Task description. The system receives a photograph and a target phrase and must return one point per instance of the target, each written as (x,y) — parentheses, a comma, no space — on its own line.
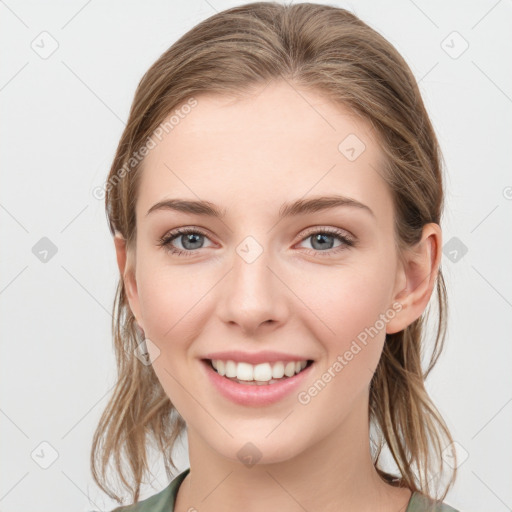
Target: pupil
(321,238)
(189,238)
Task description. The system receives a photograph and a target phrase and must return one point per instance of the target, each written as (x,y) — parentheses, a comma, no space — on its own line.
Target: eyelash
(166,240)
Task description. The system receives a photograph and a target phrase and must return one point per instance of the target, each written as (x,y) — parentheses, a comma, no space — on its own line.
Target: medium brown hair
(331,51)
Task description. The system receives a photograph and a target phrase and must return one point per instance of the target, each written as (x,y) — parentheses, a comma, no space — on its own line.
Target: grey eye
(191,241)
(322,241)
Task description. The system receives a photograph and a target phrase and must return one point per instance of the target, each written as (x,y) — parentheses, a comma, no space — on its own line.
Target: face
(306,284)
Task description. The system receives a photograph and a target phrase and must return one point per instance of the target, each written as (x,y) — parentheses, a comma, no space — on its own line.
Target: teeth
(289,369)
(277,370)
(230,369)
(259,373)
(244,371)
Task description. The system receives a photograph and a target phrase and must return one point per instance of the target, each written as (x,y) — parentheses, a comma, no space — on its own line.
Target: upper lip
(265,356)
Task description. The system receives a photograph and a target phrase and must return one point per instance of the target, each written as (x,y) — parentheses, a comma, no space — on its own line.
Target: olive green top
(165,499)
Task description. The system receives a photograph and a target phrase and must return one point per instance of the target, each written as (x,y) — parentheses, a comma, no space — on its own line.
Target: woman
(275,202)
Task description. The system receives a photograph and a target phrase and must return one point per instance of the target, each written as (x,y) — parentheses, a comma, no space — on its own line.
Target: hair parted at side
(331,51)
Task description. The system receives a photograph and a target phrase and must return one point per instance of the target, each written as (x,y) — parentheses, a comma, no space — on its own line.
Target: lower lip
(255,395)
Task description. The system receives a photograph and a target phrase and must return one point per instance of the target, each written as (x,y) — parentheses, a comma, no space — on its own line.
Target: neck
(334,474)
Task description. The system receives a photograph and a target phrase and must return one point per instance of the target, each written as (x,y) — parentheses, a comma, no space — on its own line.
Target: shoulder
(156,503)
(421,503)
(163,501)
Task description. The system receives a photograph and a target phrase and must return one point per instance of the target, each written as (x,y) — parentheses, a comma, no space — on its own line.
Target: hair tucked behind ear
(331,51)
(400,406)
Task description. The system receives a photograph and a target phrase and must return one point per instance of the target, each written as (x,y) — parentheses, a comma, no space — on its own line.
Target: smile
(258,374)
(257,386)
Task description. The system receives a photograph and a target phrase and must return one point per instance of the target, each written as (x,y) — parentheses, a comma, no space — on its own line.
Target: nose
(253,294)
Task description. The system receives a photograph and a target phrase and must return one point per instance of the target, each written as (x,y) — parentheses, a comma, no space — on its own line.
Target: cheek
(352,336)
(347,304)
(174,303)
(171,304)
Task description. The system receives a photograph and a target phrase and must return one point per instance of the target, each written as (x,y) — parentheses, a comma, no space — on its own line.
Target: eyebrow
(299,207)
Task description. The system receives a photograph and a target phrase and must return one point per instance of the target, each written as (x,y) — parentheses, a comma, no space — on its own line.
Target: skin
(249,156)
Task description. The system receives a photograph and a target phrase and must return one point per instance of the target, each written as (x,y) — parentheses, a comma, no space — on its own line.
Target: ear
(126,264)
(416,278)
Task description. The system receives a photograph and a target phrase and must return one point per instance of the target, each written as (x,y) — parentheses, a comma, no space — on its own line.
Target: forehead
(275,144)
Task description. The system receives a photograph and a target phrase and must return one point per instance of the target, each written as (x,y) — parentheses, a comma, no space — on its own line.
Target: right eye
(190,238)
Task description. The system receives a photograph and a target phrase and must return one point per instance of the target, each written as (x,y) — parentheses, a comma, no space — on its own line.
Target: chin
(249,450)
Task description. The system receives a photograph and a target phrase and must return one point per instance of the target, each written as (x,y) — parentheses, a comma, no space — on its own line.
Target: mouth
(263,374)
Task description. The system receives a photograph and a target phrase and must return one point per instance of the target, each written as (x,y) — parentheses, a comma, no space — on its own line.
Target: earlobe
(420,270)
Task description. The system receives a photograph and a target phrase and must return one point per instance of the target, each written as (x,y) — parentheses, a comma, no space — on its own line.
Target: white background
(61,120)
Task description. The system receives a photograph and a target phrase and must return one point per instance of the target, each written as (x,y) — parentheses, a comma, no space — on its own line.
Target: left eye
(324,240)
